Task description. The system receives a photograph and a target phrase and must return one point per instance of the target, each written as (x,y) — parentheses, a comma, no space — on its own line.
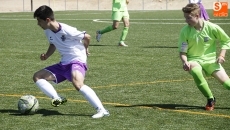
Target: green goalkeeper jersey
(201,45)
(119,5)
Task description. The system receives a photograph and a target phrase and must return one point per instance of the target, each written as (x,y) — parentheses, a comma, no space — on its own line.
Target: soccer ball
(28,104)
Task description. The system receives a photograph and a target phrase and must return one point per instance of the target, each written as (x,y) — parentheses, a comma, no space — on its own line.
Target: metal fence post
(166,4)
(65,5)
(31,2)
(143,4)
(98,4)
(77,4)
(23,5)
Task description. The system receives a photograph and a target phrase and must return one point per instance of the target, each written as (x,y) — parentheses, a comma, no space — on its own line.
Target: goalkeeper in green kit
(119,12)
(197,48)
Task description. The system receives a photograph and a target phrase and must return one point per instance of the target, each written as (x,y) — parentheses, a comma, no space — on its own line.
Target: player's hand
(186,66)
(127,1)
(87,52)
(220,59)
(43,56)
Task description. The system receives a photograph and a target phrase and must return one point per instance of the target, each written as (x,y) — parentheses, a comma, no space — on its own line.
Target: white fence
(61,5)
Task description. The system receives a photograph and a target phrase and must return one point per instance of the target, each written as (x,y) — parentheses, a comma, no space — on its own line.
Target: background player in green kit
(197,47)
(119,12)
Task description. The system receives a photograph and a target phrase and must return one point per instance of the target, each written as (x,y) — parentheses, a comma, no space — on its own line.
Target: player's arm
(221,57)
(183,49)
(183,57)
(224,40)
(222,37)
(86,41)
(49,52)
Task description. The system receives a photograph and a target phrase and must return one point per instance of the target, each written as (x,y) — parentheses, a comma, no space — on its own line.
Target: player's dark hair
(44,12)
(191,8)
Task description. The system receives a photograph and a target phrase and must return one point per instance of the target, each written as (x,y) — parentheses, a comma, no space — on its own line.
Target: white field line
(106,21)
(109,20)
(8,18)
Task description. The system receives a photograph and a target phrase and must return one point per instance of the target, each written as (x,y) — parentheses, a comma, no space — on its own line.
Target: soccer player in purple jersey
(197,47)
(72,45)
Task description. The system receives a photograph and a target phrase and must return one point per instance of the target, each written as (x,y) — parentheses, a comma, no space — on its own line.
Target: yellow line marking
(131,84)
(181,111)
(127,105)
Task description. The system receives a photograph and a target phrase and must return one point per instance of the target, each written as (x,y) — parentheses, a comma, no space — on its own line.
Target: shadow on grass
(169,106)
(101,45)
(160,47)
(43,112)
(46,112)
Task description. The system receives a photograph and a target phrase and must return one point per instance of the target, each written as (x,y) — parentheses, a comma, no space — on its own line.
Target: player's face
(44,24)
(190,19)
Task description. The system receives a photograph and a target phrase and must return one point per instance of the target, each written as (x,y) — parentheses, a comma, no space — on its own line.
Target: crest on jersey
(206,39)
(63,38)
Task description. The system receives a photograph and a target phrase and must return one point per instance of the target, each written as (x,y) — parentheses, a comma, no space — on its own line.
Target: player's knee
(77,85)
(35,77)
(197,74)
(115,27)
(127,25)
(196,71)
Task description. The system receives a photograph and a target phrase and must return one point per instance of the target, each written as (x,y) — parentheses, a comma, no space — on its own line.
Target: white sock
(47,88)
(91,96)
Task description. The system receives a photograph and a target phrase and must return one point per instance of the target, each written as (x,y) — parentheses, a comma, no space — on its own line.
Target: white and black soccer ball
(28,104)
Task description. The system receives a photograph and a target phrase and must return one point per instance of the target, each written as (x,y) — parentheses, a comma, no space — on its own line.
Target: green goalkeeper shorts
(118,15)
(208,67)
